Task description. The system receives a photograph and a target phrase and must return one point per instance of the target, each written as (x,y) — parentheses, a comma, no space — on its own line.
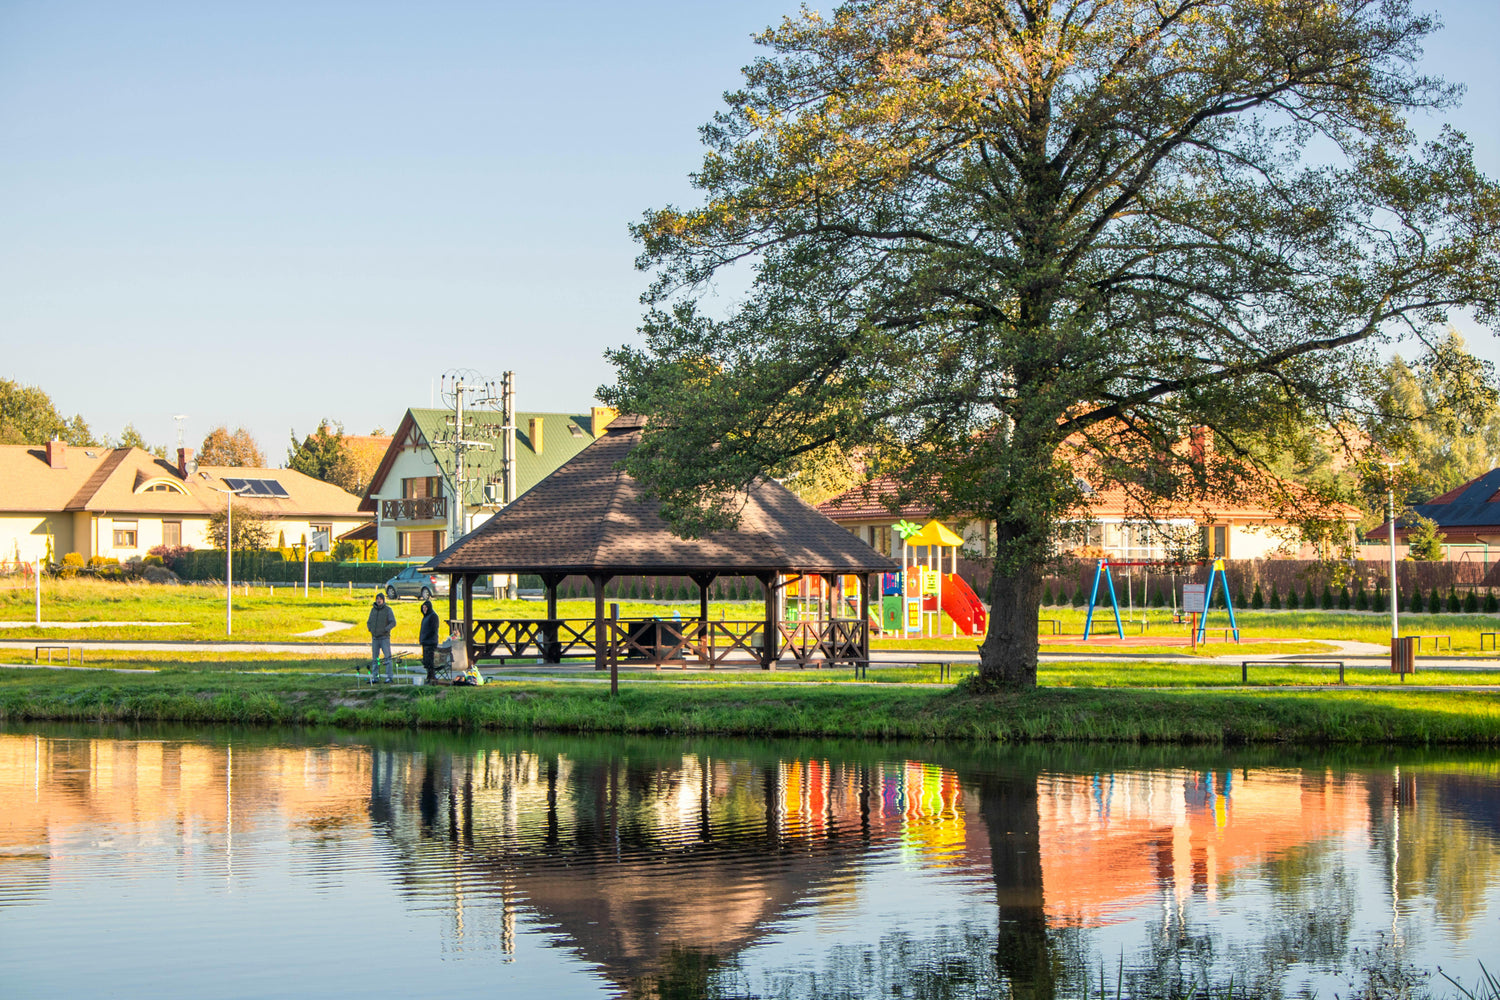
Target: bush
(1455,603)
(1344,602)
(1047,597)
(1308,600)
(1328,601)
(1377,603)
(1078,598)
(1362,600)
(1257,599)
(1291,599)
(1275,604)
(1434,602)
(1491,606)
(1471,603)
(1159,598)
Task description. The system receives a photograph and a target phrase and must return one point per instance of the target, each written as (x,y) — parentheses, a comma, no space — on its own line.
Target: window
(1216,541)
(158,488)
(420,543)
(125,534)
(422,488)
(171,533)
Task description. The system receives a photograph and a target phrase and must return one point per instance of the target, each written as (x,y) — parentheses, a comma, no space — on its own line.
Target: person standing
(382,619)
(429,640)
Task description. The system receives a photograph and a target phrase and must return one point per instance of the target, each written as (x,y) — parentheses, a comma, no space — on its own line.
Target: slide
(962,605)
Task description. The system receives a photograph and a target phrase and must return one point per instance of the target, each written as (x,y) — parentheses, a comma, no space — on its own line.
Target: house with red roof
(1466,515)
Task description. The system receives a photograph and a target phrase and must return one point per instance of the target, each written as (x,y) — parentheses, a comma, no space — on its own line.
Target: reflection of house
(411,491)
(1230,530)
(121,502)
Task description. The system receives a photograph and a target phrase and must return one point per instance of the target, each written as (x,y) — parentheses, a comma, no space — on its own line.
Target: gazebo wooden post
(861,589)
(704,581)
(772,641)
(453,585)
(602,637)
(550,648)
(469,616)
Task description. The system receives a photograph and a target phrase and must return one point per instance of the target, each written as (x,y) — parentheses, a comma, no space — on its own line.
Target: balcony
(425,509)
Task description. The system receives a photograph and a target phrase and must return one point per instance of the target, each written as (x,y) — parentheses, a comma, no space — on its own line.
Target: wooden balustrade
(414,509)
(670,642)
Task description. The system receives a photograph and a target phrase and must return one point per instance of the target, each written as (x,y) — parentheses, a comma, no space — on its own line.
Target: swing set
(1199,612)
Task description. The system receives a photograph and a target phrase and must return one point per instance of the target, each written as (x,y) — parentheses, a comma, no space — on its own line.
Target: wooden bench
(1056,624)
(1492,637)
(1245,665)
(1436,641)
(37,654)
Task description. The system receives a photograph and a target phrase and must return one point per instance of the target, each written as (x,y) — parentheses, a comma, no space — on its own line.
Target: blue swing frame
(1217,573)
(1101,571)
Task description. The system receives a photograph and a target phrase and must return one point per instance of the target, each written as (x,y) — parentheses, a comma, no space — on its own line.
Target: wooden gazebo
(590,519)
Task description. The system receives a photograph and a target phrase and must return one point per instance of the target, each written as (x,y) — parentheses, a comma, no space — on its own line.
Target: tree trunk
(1008,657)
(1012,818)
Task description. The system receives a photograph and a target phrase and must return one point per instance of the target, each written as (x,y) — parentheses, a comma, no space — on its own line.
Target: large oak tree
(979,230)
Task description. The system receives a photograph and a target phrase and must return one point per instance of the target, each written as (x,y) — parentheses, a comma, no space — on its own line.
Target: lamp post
(1390,499)
(229,496)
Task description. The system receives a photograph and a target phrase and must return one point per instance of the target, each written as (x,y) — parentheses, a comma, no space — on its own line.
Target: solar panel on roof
(273,488)
(236,484)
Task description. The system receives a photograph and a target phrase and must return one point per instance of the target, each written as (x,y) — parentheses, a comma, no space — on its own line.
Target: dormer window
(159,486)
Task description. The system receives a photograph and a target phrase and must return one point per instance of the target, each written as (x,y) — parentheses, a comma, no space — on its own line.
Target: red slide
(962,605)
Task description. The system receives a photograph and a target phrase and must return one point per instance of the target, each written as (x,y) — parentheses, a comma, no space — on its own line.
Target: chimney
(1201,442)
(534,431)
(599,418)
(184,459)
(57,454)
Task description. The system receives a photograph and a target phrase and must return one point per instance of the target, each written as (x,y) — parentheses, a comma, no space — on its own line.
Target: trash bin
(1404,655)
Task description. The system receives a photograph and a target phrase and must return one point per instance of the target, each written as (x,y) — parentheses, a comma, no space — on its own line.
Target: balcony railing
(425,509)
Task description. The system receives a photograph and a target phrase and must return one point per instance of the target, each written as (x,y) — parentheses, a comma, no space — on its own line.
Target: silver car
(413,582)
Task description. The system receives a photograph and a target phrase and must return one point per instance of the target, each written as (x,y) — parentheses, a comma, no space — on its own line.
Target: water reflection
(652,869)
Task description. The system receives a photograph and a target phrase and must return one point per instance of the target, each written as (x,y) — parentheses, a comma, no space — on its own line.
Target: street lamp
(1390,500)
(229,496)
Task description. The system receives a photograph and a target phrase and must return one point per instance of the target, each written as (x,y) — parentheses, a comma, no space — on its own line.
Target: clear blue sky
(262,213)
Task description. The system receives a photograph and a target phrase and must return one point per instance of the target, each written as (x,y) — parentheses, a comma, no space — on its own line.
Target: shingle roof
(591,517)
(1460,513)
(112,479)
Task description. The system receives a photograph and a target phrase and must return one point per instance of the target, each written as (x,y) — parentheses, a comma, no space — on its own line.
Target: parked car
(412,582)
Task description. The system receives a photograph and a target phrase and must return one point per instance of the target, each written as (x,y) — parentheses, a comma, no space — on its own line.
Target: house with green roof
(415,497)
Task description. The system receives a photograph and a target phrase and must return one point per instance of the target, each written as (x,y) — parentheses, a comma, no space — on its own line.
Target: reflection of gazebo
(591,519)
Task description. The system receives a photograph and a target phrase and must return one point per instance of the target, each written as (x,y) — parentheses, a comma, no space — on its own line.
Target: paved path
(76,625)
(326,627)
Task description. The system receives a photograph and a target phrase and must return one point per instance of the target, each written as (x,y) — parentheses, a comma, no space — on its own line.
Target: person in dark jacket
(429,640)
(382,619)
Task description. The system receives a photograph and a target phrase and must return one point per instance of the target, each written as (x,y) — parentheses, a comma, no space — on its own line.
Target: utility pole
(465,390)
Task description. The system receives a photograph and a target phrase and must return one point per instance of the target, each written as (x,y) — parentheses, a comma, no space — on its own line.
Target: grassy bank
(766,708)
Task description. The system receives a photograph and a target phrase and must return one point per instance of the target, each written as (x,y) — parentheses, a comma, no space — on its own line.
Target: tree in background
(1423,539)
(252,526)
(132,438)
(27,416)
(324,455)
(237,449)
(989,235)
(1441,417)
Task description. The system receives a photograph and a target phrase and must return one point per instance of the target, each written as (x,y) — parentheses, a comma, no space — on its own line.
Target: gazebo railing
(671,642)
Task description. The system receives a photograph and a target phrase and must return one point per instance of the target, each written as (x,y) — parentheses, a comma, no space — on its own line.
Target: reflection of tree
(1008,804)
(1445,850)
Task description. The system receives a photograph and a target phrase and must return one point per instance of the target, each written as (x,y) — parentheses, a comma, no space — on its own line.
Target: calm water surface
(160,863)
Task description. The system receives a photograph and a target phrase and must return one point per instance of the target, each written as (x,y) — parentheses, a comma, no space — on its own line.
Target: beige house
(119,503)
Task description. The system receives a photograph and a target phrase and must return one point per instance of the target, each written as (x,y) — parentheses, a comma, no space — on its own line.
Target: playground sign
(1194,598)
(929,582)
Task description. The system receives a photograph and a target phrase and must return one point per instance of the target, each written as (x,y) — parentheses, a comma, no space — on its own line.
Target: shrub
(1345,603)
(1328,601)
(1257,599)
(1362,600)
(1159,598)
(1376,603)
(1434,602)
(1455,603)
(1491,606)
(1047,596)
(1291,599)
(1308,600)
(1471,603)
(1275,598)
(1078,598)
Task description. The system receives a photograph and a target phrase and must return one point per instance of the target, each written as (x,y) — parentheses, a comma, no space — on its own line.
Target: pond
(164,863)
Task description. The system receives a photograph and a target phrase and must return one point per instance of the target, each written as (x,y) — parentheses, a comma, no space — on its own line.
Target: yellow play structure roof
(934,533)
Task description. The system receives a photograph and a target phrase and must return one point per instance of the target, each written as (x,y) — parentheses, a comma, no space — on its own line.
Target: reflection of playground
(639,863)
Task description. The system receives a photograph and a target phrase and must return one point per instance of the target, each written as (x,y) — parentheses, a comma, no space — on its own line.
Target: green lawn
(729,707)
